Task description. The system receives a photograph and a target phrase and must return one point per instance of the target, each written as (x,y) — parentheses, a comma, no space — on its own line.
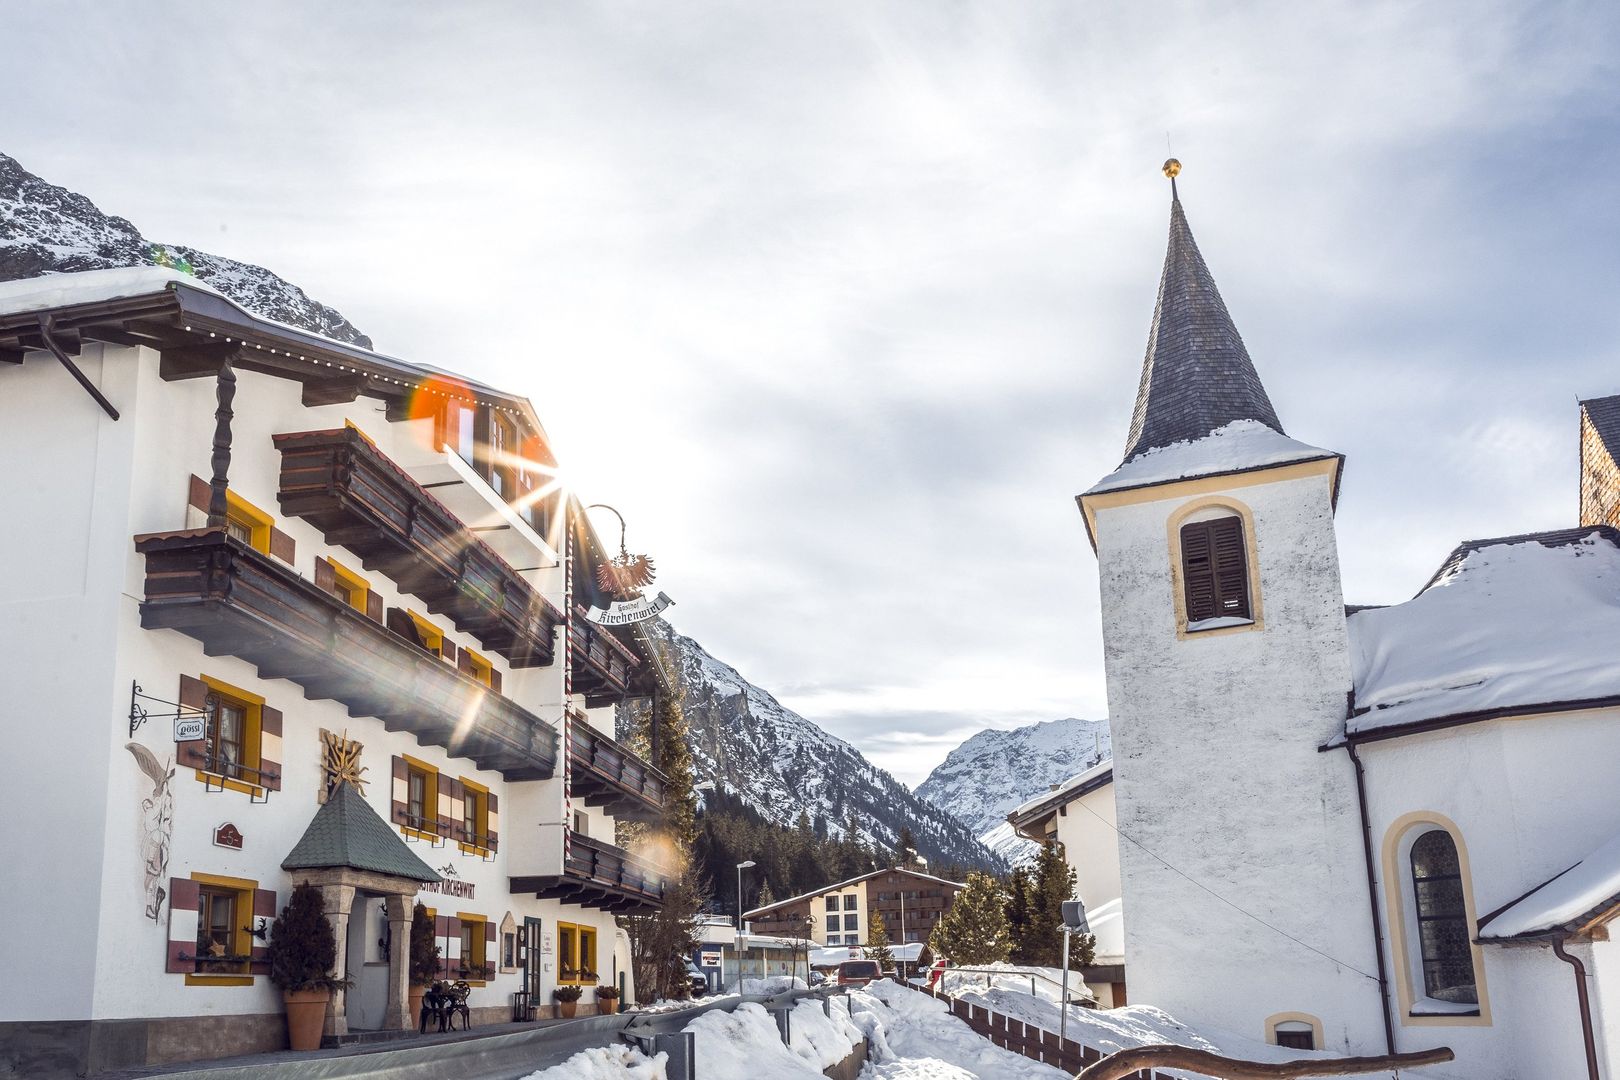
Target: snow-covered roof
(90,287)
(1239,446)
(825,889)
(1515,624)
(1569,901)
(1082,783)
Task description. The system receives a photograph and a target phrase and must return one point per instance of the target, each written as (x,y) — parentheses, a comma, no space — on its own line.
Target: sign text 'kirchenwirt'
(624,612)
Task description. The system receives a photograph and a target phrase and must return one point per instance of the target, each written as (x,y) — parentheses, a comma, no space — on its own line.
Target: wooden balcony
(604,773)
(604,666)
(238,602)
(359,499)
(601,876)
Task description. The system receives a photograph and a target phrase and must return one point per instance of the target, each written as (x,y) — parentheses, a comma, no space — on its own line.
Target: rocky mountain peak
(46,229)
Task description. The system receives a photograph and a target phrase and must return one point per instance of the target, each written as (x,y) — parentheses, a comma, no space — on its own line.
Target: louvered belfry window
(1215,570)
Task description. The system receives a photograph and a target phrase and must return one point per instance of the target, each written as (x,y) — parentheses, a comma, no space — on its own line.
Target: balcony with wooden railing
(604,666)
(605,773)
(361,500)
(242,603)
(599,875)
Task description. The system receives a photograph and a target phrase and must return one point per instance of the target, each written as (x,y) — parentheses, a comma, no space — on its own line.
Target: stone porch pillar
(397,1013)
(338,899)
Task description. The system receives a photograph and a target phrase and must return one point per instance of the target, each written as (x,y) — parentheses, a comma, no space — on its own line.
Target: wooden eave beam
(117,336)
(195,361)
(339,390)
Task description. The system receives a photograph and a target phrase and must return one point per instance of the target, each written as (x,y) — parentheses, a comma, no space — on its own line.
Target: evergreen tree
(877,942)
(1049,885)
(974,930)
(905,849)
(766,896)
(1018,914)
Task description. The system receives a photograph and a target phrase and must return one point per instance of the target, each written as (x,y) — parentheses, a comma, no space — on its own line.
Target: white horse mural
(156,825)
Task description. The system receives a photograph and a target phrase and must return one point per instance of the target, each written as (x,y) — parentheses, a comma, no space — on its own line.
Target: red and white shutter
(193,698)
(264,907)
(183,926)
(400,807)
(494,820)
(270,748)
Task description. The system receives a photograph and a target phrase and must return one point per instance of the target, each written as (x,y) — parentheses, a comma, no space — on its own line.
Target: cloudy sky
(842,303)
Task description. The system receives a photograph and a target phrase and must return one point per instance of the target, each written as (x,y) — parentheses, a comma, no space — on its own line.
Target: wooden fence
(1035,1043)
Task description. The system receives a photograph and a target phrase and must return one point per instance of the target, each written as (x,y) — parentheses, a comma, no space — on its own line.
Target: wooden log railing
(1124,1064)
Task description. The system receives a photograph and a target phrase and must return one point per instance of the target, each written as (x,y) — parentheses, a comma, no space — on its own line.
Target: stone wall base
(51,1048)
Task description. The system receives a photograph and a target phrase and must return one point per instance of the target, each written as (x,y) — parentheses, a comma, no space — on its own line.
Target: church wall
(1217,772)
(1529,797)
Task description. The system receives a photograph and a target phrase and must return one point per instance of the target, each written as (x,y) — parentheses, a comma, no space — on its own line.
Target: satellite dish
(1074,916)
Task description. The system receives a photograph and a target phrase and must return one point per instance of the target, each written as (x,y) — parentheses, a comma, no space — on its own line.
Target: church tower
(1245,893)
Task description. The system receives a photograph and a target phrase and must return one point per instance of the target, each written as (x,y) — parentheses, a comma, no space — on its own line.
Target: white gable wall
(1530,797)
(1217,772)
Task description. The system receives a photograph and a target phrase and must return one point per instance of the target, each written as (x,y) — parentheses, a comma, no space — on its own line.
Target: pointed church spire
(1197,376)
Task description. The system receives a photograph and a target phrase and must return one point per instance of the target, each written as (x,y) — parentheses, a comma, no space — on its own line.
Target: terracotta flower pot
(306,1017)
(416,995)
(607,1006)
(565,1009)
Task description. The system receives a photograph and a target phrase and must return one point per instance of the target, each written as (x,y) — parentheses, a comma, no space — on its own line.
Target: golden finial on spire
(1172,168)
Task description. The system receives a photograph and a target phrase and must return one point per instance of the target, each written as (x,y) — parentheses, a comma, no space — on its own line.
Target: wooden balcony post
(224,395)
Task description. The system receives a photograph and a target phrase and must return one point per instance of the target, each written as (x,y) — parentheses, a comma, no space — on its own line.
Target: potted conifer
(607,999)
(424,957)
(567,1000)
(302,954)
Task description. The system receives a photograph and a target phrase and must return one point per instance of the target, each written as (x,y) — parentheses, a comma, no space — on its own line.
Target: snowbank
(744,1045)
(1590,884)
(606,1063)
(1506,624)
(771,986)
(1242,444)
(914,1037)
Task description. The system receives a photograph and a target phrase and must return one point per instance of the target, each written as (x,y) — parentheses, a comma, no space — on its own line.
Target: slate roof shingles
(347,832)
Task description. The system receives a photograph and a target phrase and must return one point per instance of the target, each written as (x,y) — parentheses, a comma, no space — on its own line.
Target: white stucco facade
(79,486)
(1217,775)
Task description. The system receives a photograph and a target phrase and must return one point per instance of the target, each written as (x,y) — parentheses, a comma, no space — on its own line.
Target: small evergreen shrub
(424,949)
(303,946)
(567,993)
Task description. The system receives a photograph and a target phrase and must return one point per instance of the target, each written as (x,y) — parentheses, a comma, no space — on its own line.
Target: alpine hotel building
(283,609)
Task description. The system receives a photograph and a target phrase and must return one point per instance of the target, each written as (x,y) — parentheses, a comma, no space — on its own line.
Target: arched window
(1446,954)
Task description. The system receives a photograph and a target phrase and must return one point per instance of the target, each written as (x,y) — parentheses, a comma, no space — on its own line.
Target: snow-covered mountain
(45,229)
(781,763)
(993,771)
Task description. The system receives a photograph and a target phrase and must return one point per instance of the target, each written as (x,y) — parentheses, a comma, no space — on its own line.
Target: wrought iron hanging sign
(625,578)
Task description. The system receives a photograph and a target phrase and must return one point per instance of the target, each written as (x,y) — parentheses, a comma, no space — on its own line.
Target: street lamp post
(740,868)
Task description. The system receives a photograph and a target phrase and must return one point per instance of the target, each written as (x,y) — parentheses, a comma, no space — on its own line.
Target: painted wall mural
(156,825)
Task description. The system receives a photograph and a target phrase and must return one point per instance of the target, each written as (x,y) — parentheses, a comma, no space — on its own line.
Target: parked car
(696,980)
(858,972)
(817,978)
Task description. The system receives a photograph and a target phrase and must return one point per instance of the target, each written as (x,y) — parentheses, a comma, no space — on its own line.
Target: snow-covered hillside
(45,229)
(994,771)
(781,763)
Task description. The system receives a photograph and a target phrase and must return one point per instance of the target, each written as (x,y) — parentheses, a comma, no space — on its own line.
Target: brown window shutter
(494,819)
(1231,567)
(401,793)
(197,494)
(324,578)
(282,546)
(264,907)
(448,793)
(193,695)
(402,624)
(464,662)
(183,899)
(1215,569)
(448,651)
(374,606)
(270,767)
(494,680)
(454,825)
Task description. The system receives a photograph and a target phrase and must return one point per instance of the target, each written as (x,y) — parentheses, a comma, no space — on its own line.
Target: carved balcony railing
(343,485)
(604,773)
(599,875)
(604,666)
(238,602)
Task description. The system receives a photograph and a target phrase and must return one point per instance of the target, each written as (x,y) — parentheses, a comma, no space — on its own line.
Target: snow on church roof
(1082,783)
(1568,901)
(1236,447)
(1506,625)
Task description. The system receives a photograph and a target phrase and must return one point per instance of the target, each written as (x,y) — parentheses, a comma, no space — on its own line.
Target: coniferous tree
(877,942)
(905,849)
(974,930)
(1018,915)
(766,896)
(1051,883)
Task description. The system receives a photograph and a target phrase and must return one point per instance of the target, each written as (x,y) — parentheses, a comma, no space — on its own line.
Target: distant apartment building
(910,902)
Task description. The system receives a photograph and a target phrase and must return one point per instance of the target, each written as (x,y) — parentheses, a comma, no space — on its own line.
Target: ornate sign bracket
(138,713)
